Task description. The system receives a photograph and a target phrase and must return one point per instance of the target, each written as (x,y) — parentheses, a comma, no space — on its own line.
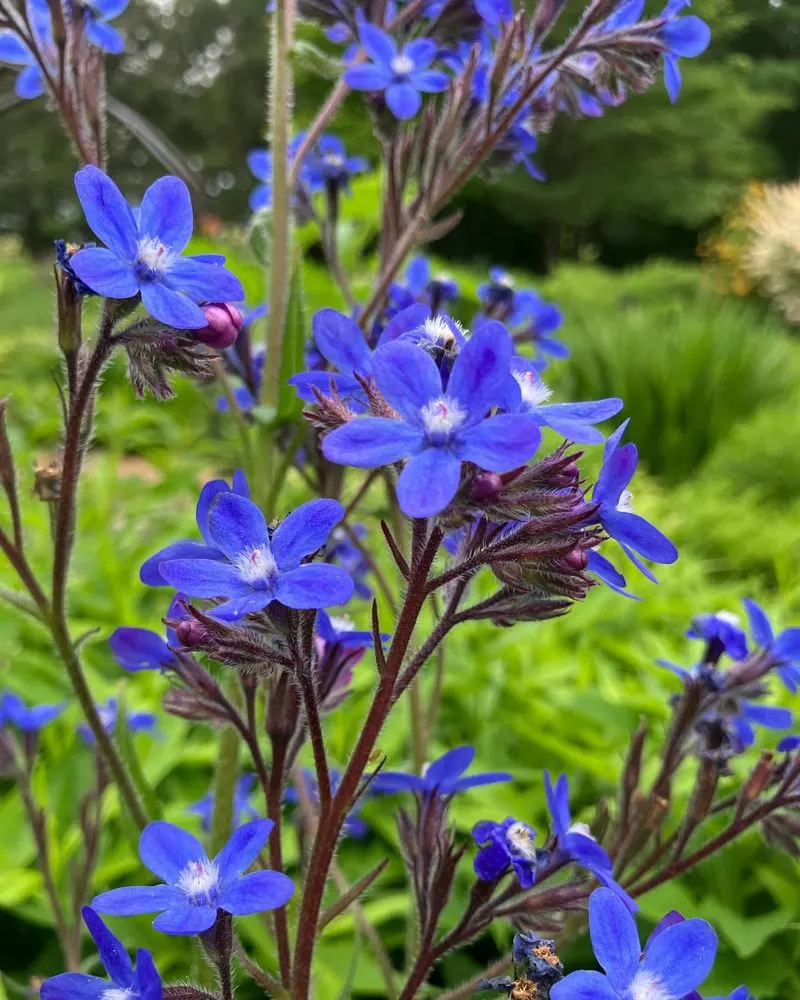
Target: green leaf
(258,235)
(308,56)
(292,358)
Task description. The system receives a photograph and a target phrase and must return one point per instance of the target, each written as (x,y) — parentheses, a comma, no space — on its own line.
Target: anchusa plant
(443,486)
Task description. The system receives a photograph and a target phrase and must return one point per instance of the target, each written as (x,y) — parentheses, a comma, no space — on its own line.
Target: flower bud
(224,324)
(191,633)
(486,486)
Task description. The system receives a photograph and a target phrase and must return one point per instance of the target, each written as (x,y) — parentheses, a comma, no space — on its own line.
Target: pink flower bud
(486,486)
(224,323)
(191,633)
(577,558)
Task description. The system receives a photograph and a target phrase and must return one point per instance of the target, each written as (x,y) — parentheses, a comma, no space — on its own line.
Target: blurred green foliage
(564,695)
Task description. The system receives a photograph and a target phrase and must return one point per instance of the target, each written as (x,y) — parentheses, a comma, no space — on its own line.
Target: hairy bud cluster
(154,352)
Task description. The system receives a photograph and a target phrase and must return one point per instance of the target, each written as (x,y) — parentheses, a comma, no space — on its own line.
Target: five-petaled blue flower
(438,429)
(195,887)
(14,711)
(251,567)
(140,983)
(675,961)
(30,82)
(503,845)
(144,248)
(444,776)
(137,722)
(329,166)
(575,842)
(784,649)
(402,75)
(243,808)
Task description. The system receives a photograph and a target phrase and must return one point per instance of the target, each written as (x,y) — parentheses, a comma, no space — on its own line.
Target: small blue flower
(722,632)
(137,722)
(260,163)
(144,251)
(402,75)
(444,776)
(140,983)
(739,726)
(675,962)
(420,285)
(789,743)
(243,808)
(783,649)
(523,310)
(97,14)
(30,82)
(251,567)
(575,842)
(195,887)
(138,649)
(26,719)
(150,573)
(684,37)
(329,165)
(438,429)
(503,845)
(528,394)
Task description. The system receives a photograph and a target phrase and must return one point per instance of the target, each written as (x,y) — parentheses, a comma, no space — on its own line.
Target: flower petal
(149,981)
(186,920)
(558,802)
(584,986)
(481,370)
(389,782)
(672,77)
(166,213)
(501,443)
(430,81)
(615,940)
(314,586)
(257,892)
(12,50)
(787,646)
(682,956)
(260,163)
(368,76)
(108,214)
(74,986)
(111,950)
(639,534)
(403,100)
(404,322)
(208,495)
(304,531)
(449,766)
(238,607)
(760,627)
(171,307)
(478,780)
(243,848)
(408,378)
(368,442)
(428,482)
(204,578)
(131,900)
(150,573)
(105,37)
(30,83)
(771,716)
(205,282)
(378,45)
(105,273)
(236,525)
(109,9)
(490,862)
(341,342)
(167,849)
(421,51)
(618,468)
(137,649)
(687,36)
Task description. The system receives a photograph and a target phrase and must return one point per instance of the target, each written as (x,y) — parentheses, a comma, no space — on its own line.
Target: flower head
(27,719)
(144,248)
(141,982)
(783,649)
(722,633)
(523,310)
(438,428)
(444,776)
(251,566)
(503,845)
(330,167)
(400,74)
(193,886)
(675,962)
(243,808)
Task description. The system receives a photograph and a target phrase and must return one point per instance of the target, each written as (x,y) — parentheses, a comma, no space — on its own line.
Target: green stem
(224,789)
(239,417)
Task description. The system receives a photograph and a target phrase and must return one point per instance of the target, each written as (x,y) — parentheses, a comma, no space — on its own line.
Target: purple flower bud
(486,486)
(578,558)
(224,323)
(191,633)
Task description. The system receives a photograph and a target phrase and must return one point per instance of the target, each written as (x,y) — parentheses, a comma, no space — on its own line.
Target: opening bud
(191,633)
(224,325)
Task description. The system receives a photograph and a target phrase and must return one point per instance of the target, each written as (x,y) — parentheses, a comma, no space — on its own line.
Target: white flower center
(402,65)
(533,390)
(342,623)
(333,160)
(625,502)
(521,839)
(256,565)
(646,986)
(505,281)
(583,828)
(437,329)
(153,256)
(728,616)
(115,993)
(441,417)
(200,881)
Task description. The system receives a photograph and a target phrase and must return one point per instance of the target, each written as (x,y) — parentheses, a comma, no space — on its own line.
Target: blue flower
(503,845)
(26,719)
(252,568)
(329,165)
(243,808)
(140,983)
(30,81)
(195,887)
(144,251)
(789,743)
(575,842)
(339,649)
(684,37)
(722,633)
(137,722)
(636,536)
(421,286)
(739,726)
(400,74)
(674,964)
(138,649)
(444,776)
(784,649)
(97,14)
(437,429)
(260,163)
(574,420)
(523,310)
(150,573)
